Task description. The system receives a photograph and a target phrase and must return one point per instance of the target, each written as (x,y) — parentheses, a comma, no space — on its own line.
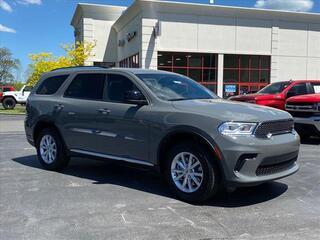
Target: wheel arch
(9,96)
(183,133)
(42,124)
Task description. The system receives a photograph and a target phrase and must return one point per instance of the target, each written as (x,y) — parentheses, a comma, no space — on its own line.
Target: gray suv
(199,142)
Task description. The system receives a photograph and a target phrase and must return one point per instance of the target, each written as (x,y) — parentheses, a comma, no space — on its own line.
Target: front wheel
(50,150)
(191,172)
(9,103)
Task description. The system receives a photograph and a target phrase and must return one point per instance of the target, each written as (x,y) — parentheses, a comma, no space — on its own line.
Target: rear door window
(87,86)
(50,85)
(298,89)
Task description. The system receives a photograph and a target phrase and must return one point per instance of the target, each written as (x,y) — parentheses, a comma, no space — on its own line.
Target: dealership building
(230,50)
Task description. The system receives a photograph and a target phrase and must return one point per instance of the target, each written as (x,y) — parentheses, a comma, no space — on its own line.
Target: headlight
(237,128)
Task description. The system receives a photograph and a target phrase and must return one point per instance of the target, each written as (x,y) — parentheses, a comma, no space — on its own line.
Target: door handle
(58,107)
(104,111)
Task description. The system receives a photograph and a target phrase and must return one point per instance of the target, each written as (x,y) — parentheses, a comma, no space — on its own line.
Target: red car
(276,94)
(306,112)
(5,89)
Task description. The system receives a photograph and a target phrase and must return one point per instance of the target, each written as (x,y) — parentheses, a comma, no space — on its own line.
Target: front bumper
(249,161)
(309,125)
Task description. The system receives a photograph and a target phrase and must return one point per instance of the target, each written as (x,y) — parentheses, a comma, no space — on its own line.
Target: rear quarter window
(316,87)
(51,85)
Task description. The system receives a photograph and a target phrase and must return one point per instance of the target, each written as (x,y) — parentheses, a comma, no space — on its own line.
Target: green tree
(76,55)
(7,65)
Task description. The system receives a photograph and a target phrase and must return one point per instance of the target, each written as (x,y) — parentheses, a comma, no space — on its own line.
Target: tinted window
(87,86)
(117,87)
(275,88)
(299,89)
(51,85)
(27,88)
(173,87)
(6,89)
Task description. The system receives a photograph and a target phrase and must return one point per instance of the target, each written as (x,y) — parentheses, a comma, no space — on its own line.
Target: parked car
(275,94)
(306,112)
(200,143)
(5,89)
(11,98)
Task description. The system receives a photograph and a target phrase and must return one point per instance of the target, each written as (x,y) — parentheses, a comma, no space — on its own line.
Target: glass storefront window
(130,62)
(209,75)
(201,67)
(181,71)
(230,61)
(245,73)
(179,60)
(195,60)
(231,75)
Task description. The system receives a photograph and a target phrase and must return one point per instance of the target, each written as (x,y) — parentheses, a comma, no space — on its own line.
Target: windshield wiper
(178,99)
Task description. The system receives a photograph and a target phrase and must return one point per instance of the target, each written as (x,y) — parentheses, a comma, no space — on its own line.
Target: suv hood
(225,110)
(255,96)
(309,98)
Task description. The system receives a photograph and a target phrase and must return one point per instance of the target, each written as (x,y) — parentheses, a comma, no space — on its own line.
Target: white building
(225,48)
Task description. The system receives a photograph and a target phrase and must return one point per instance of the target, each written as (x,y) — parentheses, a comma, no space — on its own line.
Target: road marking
(123,217)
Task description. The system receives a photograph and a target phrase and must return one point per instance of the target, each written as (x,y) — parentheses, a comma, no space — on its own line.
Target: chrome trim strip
(107,134)
(112,157)
(94,131)
(303,108)
(81,130)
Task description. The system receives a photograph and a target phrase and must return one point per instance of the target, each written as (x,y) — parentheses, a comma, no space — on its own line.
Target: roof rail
(75,67)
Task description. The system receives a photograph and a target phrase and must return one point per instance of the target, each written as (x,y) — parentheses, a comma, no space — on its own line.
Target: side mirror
(135,97)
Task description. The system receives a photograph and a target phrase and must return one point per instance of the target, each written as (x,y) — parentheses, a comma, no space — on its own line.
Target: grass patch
(18,110)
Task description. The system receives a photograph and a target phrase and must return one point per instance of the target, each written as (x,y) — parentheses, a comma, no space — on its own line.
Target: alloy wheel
(48,149)
(187,172)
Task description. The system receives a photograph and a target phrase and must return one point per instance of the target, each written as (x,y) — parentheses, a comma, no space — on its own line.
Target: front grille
(303,107)
(275,168)
(267,129)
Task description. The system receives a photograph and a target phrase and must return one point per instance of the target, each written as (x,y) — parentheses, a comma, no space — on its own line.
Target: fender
(196,131)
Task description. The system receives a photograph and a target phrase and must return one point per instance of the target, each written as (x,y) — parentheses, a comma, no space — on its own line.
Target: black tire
(61,159)
(9,103)
(211,182)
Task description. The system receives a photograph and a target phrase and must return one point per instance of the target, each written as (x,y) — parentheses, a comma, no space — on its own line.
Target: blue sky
(32,26)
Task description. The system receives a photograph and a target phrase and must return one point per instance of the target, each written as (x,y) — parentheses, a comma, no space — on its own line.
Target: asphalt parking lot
(97,200)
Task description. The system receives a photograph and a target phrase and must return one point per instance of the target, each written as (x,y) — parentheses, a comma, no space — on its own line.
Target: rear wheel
(50,150)
(191,172)
(9,103)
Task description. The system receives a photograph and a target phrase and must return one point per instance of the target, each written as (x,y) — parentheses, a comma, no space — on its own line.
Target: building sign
(131,36)
(230,88)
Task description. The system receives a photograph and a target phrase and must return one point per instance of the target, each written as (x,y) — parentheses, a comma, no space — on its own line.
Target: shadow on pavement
(150,181)
(311,141)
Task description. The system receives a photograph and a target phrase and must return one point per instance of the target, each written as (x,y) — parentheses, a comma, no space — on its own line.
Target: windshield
(275,88)
(173,87)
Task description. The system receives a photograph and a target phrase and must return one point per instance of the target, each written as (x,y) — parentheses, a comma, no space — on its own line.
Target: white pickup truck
(11,98)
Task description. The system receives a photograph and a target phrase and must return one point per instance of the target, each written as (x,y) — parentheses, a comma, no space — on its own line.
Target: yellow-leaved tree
(76,55)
